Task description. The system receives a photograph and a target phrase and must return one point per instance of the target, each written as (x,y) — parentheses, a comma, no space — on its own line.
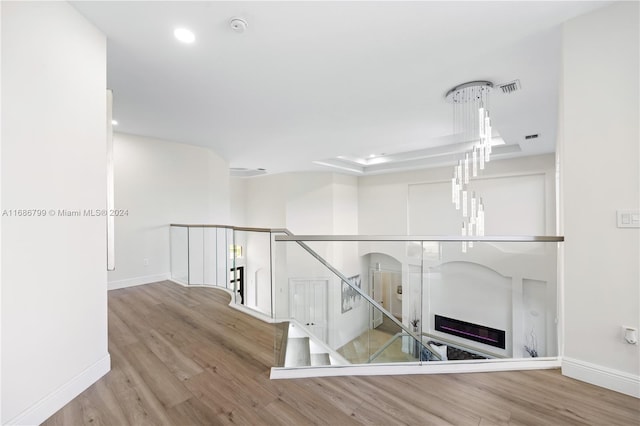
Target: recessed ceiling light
(114,122)
(184,35)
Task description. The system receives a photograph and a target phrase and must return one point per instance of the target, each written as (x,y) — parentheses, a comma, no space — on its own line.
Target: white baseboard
(177,282)
(257,315)
(605,377)
(434,367)
(47,406)
(131,282)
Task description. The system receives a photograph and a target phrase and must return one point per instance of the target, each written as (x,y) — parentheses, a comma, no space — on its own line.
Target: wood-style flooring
(181,356)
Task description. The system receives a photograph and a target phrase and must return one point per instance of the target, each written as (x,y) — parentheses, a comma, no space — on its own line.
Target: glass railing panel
(209,256)
(237,267)
(364,300)
(307,297)
(388,342)
(223,261)
(179,254)
(196,256)
(251,273)
(206,252)
(321,303)
(491,300)
(479,300)
(404,348)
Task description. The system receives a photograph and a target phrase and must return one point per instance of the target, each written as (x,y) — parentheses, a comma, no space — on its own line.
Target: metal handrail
(234,228)
(322,261)
(407,238)
(358,290)
(419,238)
(300,240)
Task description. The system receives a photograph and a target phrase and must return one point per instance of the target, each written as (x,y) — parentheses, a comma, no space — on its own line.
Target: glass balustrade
(365,299)
(355,300)
(179,254)
(329,297)
(236,259)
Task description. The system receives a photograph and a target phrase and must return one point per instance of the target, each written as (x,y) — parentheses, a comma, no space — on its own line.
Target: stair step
(297,354)
(320,359)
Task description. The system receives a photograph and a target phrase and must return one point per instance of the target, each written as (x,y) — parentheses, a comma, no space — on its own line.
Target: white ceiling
(310,81)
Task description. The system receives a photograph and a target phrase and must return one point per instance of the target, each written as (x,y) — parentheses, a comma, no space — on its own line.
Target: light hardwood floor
(181,356)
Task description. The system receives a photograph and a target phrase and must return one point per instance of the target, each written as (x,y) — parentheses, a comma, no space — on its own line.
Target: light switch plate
(628,218)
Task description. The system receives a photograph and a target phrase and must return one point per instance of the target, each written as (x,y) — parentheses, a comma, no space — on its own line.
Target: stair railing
(299,240)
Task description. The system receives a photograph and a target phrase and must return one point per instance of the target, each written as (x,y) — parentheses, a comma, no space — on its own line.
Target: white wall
(599,157)
(345,257)
(237,201)
(266,201)
(384,199)
(519,196)
(323,203)
(309,206)
(159,182)
(54,279)
(514,205)
(472,293)
(311,203)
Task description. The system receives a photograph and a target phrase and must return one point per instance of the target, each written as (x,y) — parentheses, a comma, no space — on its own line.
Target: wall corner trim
(47,406)
(131,282)
(605,377)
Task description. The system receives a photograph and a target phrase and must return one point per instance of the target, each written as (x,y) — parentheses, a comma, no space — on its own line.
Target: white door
(376,293)
(308,304)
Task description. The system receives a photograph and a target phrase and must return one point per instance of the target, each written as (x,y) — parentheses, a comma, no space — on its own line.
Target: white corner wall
(311,203)
(54,279)
(237,201)
(599,161)
(266,201)
(158,183)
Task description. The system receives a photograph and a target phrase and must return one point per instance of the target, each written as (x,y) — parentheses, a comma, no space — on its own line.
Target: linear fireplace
(477,333)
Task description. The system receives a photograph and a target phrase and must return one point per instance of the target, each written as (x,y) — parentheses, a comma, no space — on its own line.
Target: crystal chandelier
(472,122)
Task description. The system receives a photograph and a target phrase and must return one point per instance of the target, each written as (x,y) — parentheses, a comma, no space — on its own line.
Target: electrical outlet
(145,262)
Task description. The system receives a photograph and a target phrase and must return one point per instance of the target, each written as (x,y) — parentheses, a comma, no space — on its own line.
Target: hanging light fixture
(472,122)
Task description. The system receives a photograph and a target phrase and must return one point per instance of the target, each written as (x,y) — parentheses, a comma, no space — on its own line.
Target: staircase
(303,350)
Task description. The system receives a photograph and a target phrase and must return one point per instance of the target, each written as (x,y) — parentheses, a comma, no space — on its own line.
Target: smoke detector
(238,25)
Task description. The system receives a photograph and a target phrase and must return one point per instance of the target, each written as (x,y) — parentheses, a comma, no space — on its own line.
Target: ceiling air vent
(529,137)
(510,87)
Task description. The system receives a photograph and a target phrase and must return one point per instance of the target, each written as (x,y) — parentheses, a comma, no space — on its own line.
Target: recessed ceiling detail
(429,157)
(329,78)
